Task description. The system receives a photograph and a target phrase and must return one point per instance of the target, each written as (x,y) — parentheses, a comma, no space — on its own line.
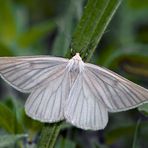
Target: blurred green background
(34,27)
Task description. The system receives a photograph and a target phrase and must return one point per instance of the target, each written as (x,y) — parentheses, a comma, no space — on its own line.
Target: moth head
(77,57)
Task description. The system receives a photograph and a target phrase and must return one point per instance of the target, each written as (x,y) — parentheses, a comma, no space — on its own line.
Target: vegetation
(109,33)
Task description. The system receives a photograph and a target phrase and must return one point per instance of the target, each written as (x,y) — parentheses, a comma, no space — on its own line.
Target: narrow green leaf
(93,23)
(9,140)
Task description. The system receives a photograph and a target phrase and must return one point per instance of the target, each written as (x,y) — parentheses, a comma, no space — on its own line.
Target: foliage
(31,27)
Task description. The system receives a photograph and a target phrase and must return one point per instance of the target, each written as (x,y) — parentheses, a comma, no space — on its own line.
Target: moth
(69,89)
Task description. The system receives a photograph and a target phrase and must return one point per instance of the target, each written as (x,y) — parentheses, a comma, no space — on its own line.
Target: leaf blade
(94,21)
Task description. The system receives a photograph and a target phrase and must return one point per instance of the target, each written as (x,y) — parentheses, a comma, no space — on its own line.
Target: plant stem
(49,135)
(96,17)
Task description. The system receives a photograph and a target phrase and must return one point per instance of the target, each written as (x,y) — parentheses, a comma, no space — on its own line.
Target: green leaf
(9,140)
(96,17)
(22,121)
(34,34)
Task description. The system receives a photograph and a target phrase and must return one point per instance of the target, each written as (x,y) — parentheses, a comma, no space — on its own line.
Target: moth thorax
(75,65)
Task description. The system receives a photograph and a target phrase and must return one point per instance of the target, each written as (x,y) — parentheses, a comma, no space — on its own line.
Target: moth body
(76,64)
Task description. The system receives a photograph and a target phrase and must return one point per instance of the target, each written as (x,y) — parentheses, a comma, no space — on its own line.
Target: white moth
(71,90)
